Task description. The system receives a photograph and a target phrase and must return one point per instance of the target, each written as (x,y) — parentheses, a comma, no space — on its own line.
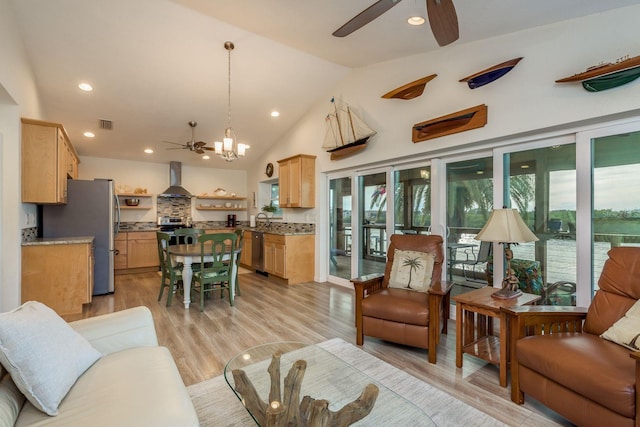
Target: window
(274,199)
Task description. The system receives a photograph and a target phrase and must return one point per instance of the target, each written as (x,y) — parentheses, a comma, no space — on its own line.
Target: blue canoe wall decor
(607,76)
(491,74)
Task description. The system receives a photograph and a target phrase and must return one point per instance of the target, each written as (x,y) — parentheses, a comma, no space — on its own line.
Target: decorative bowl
(220,192)
(132,202)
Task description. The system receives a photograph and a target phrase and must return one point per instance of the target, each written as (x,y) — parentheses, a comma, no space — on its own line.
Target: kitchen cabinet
(142,249)
(58,275)
(290,257)
(247,248)
(136,251)
(219,203)
(48,159)
(297,181)
(120,256)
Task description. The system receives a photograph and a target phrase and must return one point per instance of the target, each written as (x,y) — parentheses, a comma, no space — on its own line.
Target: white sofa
(134,383)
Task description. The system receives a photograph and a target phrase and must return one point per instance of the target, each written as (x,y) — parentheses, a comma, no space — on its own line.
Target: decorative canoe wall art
(491,74)
(471,118)
(410,90)
(607,76)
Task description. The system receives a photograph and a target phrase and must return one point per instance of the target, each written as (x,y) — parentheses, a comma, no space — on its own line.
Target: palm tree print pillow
(411,270)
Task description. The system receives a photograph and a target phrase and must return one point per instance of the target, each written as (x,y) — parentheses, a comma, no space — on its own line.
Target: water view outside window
(616,196)
(413,200)
(541,185)
(340,227)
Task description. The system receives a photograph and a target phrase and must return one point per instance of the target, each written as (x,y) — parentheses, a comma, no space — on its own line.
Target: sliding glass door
(340,202)
(373,208)
(616,196)
(541,184)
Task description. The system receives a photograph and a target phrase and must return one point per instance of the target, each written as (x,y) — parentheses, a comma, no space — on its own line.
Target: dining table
(187,254)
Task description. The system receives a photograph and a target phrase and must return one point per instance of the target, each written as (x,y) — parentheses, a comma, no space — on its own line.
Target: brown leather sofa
(399,315)
(560,360)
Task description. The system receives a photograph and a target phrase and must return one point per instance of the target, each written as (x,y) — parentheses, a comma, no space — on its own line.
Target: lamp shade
(506,226)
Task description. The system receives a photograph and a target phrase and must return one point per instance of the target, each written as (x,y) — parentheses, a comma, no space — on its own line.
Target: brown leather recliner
(399,315)
(563,363)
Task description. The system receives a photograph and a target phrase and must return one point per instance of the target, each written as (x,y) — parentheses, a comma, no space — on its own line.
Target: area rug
(217,405)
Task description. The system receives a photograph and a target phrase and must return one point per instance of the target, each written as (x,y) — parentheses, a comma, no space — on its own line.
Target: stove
(169,225)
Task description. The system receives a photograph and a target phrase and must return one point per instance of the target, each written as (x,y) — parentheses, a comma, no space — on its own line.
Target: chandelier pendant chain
(229,46)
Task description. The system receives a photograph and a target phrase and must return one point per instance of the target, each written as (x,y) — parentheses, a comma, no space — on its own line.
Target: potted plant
(269,209)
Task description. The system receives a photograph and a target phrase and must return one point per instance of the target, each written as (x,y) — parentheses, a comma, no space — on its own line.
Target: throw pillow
(411,270)
(11,401)
(627,329)
(43,354)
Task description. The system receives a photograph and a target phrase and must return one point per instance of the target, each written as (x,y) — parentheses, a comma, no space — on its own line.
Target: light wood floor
(201,343)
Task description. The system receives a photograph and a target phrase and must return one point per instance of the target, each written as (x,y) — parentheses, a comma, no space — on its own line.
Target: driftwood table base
(288,410)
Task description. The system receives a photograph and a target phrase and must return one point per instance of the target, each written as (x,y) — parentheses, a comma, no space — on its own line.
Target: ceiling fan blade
(443,20)
(364,17)
(174,143)
(208,148)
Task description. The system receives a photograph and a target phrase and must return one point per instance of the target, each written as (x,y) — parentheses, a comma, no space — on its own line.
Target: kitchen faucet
(265,217)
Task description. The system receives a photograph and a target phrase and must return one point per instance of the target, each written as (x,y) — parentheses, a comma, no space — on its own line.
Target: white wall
(155,178)
(526,100)
(18,97)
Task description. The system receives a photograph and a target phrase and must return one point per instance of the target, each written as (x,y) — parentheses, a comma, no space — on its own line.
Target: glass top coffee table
(326,377)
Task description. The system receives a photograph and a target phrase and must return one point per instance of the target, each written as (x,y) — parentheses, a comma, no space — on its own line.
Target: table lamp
(505,226)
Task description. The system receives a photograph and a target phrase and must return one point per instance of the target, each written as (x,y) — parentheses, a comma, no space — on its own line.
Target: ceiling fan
(442,18)
(193,145)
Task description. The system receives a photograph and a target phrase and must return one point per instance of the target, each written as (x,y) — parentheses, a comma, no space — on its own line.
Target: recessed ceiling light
(85,87)
(275,114)
(148,150)
(89,134)
(416,20)
(205,157)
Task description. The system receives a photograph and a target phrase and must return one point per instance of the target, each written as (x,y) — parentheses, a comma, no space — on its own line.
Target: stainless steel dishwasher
(257,251)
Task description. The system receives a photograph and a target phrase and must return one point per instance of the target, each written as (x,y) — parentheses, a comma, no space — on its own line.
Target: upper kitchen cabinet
(48,159)
(297,181)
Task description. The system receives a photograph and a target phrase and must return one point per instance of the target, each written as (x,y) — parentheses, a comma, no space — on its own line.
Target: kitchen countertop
(268,230)
(59,241)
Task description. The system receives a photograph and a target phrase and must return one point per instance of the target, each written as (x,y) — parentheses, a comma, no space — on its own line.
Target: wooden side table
(475,312)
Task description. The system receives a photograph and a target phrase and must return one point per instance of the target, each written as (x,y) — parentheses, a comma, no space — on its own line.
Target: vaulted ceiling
(157,64)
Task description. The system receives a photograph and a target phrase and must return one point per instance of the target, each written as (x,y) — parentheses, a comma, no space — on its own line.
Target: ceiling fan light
(217,147)
(415,20)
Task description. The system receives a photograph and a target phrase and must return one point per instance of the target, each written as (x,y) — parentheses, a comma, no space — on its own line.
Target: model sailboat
(346,132)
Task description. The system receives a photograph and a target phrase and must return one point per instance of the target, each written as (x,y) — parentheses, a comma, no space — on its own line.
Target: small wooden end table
(475,312)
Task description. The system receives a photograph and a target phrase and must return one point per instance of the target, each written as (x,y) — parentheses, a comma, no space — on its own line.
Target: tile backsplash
(175,207)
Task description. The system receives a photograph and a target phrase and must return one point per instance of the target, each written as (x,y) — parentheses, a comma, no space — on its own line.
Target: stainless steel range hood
(175,180)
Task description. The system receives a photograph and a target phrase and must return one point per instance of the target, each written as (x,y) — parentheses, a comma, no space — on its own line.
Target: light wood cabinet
(297,181)
(48,159)
(247,248)
(120,256)
(290,257)
(142,249)
(58,275)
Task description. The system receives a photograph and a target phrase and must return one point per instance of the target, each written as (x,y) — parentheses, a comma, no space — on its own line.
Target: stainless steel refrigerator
(92,209)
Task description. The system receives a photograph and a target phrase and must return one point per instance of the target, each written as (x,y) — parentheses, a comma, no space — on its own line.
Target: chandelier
(229,149)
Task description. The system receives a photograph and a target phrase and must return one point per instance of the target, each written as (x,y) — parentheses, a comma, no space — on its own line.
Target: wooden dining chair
(217,272)
(239,245)
(171,273)
(189,236)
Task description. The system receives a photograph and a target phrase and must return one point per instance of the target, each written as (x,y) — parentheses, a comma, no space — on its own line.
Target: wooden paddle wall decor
(471,118)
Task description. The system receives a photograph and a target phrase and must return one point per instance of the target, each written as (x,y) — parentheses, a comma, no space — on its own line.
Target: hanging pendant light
(229,148)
